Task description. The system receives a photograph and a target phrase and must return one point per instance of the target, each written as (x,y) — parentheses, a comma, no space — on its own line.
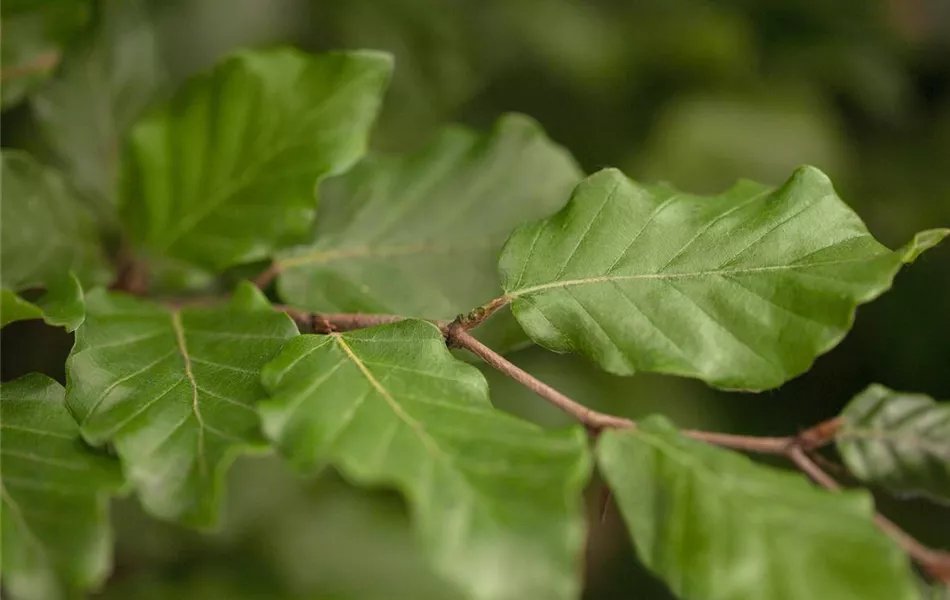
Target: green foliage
(48,240)
(102,88)
(418,235)
(898,440)
(496,500)
(713,524)
(55,493)
(33,36)
(742,290)
(226,172)
(174,391)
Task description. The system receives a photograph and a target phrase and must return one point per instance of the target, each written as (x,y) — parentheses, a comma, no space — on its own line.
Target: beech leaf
(226,172)
(55,492)
(34,34)
(712,524)
(418,235)
(48,240)
(85,111)
(742,290)
(175,391)
(898,440)
(496,500)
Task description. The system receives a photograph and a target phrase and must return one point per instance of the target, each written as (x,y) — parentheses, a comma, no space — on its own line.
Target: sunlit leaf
(55,493)
(104,84)
(48,240)
(419,235)
(31,45)
(742,290)
(714,525)
(226,172)
(175,391)
(496,500)
(898,440)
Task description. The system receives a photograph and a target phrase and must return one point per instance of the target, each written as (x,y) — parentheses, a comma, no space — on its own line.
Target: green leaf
(713,524)
(226,173)
(898,440)
(742,290)
(174,390)
(86,110)
(48,240)
(418,235)
(62,305)
(496,500)
(33,36)
(55,493)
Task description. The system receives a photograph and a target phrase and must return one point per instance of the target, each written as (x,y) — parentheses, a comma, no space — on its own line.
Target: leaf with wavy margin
(55,491)
(742,290)
(175,391)
(714,525)
(496,500)
(418,235)
(226,172)
(899,440)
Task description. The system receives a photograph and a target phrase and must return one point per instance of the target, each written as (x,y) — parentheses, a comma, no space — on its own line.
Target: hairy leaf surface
(55,494)
(714,525)
(496,500)
(898,440)
(174,391)
(742,290)
(48,240)
(226,172)
(419,235)
(85,111)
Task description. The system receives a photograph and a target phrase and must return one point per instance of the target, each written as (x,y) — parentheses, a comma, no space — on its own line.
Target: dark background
(691,92)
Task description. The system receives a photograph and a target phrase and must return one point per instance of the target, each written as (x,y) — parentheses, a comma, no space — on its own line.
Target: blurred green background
(691,92)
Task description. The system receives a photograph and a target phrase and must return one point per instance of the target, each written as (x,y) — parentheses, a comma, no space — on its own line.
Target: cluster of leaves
(742,290)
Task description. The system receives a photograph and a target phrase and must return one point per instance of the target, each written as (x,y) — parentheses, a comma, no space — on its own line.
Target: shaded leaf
(496,500)
(174,391)
(86,110)
(713,524)
(742,290)
(55,493)
(48,240)
(226,172)
(898,440)
(31,45)
(419,235)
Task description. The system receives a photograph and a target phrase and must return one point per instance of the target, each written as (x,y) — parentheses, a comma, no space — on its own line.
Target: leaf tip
(924,240)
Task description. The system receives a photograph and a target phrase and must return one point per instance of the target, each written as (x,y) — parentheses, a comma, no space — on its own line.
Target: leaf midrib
(668,276)
(189,374)
(382,251)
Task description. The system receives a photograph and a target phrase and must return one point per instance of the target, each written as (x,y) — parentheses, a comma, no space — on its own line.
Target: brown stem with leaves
(794,447)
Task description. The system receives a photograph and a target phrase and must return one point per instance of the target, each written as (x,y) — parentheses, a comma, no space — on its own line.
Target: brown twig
(267,275)
(795,448)
(132,274)
(457,336)
(38,64)
(935,562)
